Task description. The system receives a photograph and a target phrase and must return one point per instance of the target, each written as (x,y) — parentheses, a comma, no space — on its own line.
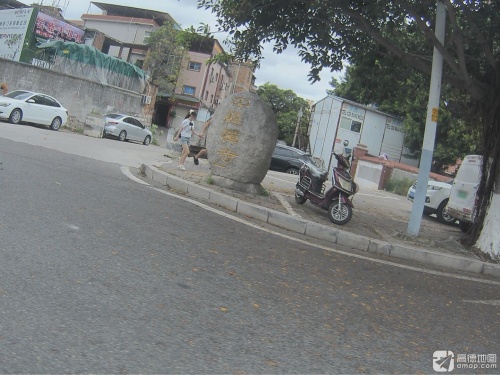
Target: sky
(284,70)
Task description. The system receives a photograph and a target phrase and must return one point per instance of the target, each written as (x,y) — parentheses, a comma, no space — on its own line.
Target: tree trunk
(486,228)
(489,238)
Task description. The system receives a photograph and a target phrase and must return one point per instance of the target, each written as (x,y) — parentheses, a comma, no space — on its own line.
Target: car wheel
(16,116)
(123,136)
(56,123)
(427,211)
(300,199)
(147,140)
(465,226)
(339,214)
(442,215)
(292,171)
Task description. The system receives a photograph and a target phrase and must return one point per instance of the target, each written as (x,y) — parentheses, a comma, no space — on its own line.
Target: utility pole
(299,117)
(430,125)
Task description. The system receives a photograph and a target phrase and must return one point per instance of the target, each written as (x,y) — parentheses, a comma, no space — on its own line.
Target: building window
(349,124)
(188,90)
(206,95)
(147,34)
(196,66)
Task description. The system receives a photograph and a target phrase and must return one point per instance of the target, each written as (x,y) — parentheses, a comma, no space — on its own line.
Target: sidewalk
(375,230)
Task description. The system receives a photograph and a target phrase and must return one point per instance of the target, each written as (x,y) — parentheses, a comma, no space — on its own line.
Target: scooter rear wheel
(339,214)
(300,199)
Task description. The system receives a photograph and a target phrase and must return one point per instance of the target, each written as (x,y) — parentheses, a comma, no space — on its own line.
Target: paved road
(100,274)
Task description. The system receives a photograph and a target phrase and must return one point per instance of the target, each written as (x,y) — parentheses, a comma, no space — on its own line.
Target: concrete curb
(319,231)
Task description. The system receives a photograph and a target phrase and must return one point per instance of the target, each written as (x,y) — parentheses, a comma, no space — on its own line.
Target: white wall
(348,114)
(368,175)
(128,32)
(378,131)
(373,132)
(324,121)
(392,145)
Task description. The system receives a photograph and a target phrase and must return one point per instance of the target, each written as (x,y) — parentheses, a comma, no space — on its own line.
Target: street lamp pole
(430,125)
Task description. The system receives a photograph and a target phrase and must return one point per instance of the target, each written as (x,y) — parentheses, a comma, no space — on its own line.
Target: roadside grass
(398,186)
(154,130)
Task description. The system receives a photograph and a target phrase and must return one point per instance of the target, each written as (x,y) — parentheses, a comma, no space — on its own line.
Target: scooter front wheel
(338,213)
(300,199)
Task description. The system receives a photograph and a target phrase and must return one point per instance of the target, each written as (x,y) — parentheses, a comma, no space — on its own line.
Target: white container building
(334,120)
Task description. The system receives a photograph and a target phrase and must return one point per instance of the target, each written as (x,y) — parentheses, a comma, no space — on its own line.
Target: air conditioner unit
(146,99)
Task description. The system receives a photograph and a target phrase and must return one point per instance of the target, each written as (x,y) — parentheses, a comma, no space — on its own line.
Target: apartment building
(203,85)
(122,31)
(129,27)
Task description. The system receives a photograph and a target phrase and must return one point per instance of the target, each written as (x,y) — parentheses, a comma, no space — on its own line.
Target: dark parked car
(288,159)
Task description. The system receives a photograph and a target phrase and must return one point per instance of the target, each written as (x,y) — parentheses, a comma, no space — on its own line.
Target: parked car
(436,199)
(288,159)
(126,128)
(37,108)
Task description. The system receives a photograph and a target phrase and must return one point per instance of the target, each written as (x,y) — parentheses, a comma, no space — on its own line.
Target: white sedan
(126,128)
(436,199)
(27,106)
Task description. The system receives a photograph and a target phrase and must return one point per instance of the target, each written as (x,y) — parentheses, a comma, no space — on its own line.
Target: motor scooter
(336,201)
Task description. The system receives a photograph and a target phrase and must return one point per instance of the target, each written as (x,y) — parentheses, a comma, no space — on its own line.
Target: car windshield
(19,95)
(114,115)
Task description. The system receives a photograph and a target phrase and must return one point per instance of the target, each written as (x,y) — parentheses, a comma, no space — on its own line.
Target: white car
(126,128)
(27,106)
(436,199)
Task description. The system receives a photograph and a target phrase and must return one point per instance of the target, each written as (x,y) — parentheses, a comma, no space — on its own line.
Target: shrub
(398,186)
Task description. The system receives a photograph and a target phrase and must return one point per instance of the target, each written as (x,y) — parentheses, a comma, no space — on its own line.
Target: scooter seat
(318,173)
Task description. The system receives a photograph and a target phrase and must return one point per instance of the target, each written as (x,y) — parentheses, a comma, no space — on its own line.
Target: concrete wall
(374,173)
(82,98)
(368,175)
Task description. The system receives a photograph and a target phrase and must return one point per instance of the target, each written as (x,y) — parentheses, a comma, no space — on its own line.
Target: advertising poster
(13,27)
(51,28)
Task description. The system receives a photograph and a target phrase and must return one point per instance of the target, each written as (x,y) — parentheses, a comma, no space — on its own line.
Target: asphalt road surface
(102,274)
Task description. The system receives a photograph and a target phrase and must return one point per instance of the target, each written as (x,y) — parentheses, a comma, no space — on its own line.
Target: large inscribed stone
(241,140)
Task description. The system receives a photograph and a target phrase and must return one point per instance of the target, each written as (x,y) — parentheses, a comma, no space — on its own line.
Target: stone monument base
(244,187)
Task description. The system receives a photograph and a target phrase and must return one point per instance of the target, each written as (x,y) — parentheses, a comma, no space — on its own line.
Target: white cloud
(284,70)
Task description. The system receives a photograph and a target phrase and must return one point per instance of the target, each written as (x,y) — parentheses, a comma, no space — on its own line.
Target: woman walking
(185,133)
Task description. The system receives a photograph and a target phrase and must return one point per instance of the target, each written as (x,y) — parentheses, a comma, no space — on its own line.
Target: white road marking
(280,179)
(126,171)
(308,243)
(485,302)
(378,196)
(285,204)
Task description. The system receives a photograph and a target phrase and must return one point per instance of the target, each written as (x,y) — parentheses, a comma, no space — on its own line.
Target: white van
(462,202)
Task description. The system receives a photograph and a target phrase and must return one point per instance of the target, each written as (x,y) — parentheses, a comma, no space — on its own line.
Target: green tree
(286,105)
(167,52)
(328,32)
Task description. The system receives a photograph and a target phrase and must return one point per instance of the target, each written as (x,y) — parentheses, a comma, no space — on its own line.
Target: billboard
(13,27)
(51,28)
